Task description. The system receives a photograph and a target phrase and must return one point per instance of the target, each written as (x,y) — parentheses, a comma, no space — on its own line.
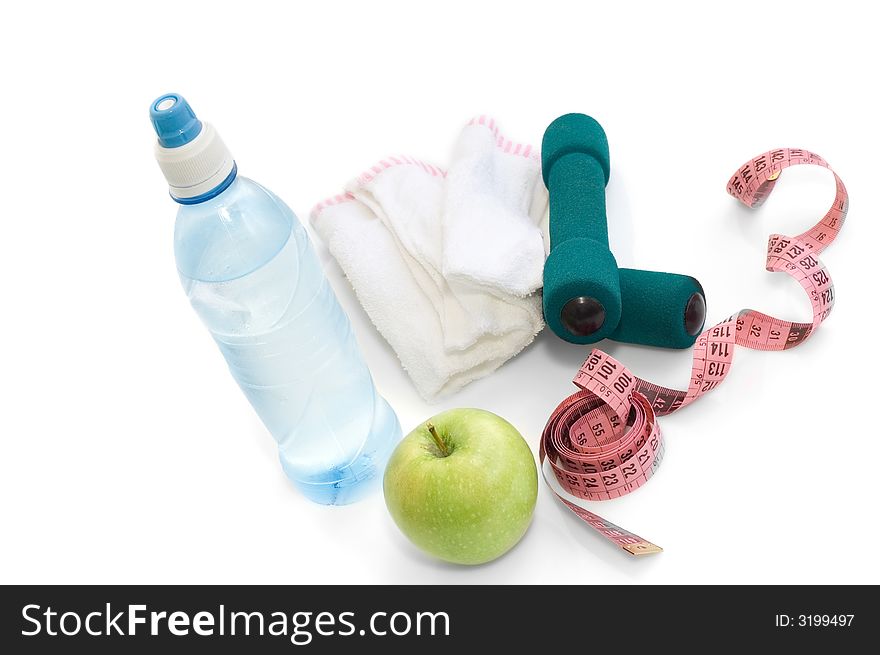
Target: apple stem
(438,440)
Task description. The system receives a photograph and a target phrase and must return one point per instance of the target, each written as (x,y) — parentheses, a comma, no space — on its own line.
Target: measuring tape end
(642,548)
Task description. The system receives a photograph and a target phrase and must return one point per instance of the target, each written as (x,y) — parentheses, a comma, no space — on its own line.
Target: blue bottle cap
(174,120)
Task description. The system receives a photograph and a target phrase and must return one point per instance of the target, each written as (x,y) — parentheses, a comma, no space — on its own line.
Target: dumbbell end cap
(695,313)
(582,316)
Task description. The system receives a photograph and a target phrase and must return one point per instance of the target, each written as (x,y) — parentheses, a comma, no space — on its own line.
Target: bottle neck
(213,193)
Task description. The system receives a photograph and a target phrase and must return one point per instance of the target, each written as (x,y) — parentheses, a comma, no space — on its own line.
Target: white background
(129,454)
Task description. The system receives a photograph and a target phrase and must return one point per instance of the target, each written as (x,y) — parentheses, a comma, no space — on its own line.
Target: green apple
(462,486)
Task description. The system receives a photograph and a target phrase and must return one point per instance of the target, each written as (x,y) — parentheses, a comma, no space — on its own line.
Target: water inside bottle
(290,348)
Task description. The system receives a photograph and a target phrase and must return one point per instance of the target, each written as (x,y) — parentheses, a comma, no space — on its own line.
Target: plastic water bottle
(251,274)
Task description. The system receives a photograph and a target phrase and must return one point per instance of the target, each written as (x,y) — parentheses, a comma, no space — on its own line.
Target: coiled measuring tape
(604,441)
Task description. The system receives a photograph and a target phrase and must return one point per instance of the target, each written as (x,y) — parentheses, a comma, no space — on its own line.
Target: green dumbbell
(587,298)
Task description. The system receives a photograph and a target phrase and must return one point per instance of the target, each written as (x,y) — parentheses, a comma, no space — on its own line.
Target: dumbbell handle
(577,199)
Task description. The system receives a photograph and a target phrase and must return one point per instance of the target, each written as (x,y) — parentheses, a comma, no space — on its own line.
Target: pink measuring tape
(604,441)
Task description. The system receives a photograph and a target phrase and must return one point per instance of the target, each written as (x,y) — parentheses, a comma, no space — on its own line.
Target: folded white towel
(446,266)
(493,250)
(493,204)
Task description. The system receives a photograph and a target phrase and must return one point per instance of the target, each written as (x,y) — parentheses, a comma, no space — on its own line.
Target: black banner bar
(120,619)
